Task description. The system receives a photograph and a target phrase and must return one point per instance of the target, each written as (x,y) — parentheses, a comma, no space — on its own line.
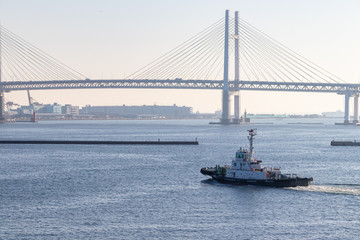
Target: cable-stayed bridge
(230,55)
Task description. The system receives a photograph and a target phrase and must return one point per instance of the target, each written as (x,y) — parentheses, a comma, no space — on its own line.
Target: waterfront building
(136,111)
(52,109)
(68,109)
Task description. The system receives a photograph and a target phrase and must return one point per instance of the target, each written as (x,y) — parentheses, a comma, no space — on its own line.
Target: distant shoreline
(160,118)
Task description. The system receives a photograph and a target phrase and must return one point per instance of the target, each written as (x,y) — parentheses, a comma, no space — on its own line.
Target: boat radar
(247,170)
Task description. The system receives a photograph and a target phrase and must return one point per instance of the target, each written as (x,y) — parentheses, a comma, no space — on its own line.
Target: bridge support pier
(2,105)
(347,99)
(356,108)
(236,109)
(225,119)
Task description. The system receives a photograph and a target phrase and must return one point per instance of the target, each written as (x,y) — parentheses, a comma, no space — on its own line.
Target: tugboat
(247,170)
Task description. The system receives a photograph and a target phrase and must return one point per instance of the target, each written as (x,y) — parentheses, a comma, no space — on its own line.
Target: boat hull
(290,182)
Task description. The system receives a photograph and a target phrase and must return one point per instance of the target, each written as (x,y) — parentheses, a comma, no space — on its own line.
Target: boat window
(234,164)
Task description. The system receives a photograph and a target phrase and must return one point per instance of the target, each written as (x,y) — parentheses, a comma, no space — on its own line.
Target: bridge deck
(181,84)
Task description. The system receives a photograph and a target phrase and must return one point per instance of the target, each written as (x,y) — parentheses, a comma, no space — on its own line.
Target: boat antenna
(251,137)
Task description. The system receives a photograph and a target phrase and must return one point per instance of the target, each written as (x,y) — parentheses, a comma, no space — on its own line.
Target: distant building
(70,110)
(24,110)
(337,114)
(138,111)
(52,109)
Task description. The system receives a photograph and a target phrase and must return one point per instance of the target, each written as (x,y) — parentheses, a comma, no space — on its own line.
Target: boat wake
(346,184)
(345,189)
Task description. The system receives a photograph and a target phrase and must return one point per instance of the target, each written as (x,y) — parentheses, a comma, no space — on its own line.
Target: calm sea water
(157,192)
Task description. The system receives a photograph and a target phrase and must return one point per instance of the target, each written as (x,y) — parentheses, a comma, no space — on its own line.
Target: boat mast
(252,133)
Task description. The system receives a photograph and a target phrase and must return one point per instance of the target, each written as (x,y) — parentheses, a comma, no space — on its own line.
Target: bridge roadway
(339,88)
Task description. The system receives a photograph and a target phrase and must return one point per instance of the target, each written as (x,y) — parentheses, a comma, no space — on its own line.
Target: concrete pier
(347,99)
(225,119)
(85,142)
(356,108)
(344,143)
(347,120)
(2,106)
(236,109)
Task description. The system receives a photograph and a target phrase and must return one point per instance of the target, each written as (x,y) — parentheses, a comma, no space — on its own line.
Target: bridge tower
(237,69)
(2,112)
(225,119)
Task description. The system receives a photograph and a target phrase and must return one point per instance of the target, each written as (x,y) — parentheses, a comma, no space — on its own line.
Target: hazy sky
(113,38)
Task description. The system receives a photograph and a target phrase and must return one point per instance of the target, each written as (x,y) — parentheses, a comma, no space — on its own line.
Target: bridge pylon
(2,100)
(237,69)
(225,119)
